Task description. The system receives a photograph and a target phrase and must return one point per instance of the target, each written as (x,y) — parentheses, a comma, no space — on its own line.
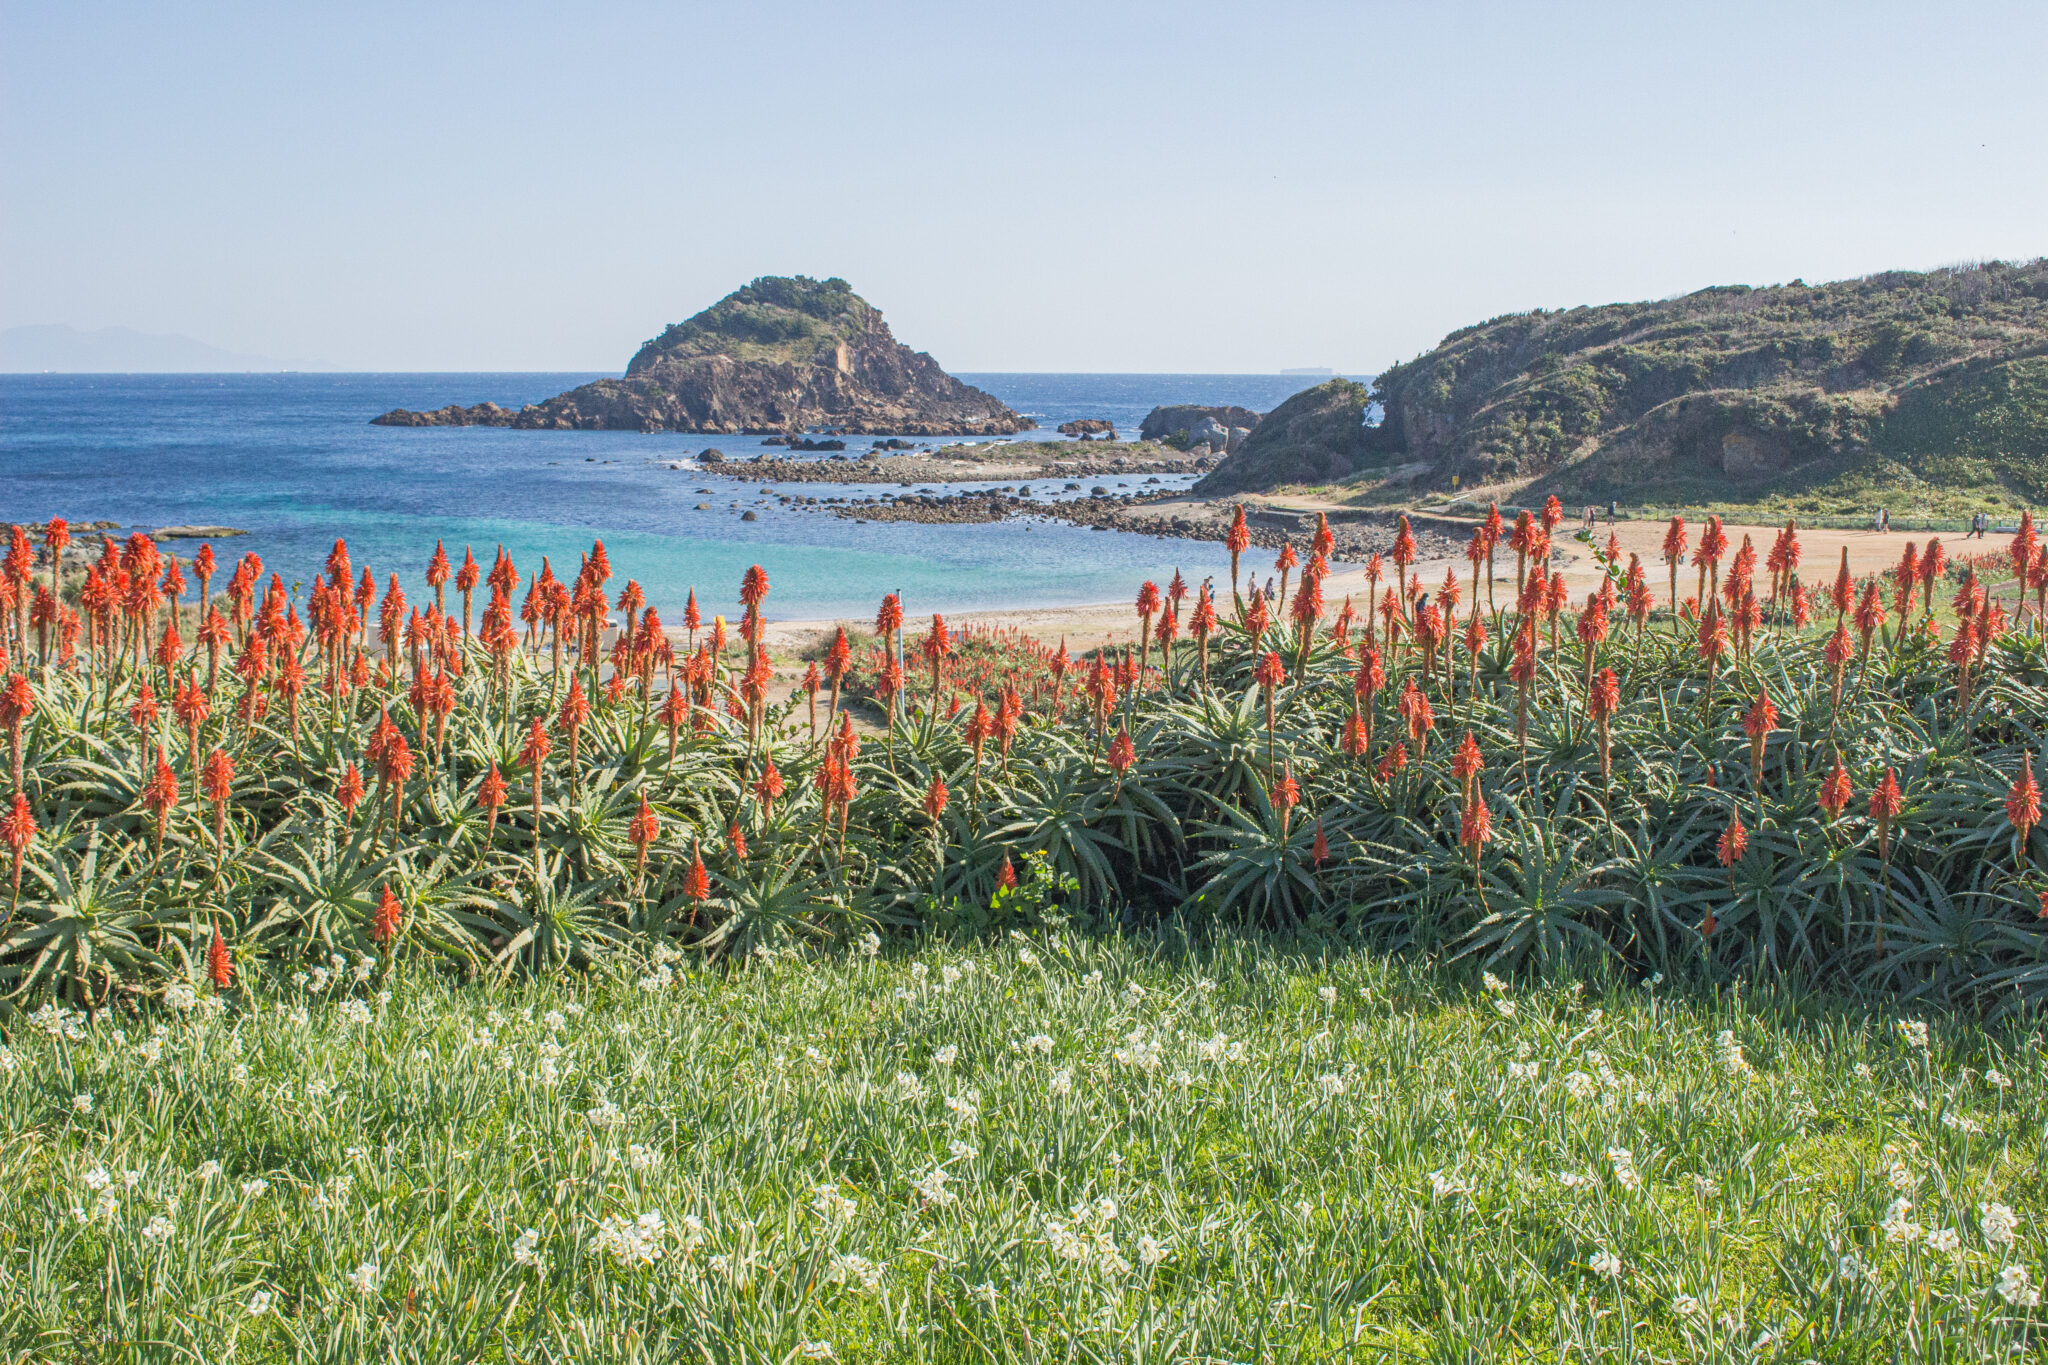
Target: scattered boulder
(1211,433)
(1089,426)
(711,455)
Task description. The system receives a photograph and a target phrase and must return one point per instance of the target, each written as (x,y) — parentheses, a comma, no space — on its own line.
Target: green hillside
(777,318)
(1921,388)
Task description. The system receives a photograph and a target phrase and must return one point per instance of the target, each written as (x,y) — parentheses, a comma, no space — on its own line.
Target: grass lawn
(1053,1148)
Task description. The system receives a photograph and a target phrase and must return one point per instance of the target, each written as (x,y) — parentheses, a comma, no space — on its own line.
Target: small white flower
(1997,1079)
(1134,992)
(82,1101)
(1732,1060)
(1605,1264)
(526,1250)
(1896,1226)
(832,1204)
(97,1178)
(631,1241)
(1947,1241)
(159,1229)
(1863,1071)
(1327,994)
(870,944)
(259,1303)
(949,975)
(1027,957)
(909,1086)
(355,1012)
(2000,1226)
(1624,1163)
(1504,1007)
(180,996)
(1523,1071)
(365,1278)
(2016,1287)
(946,1055)
(1689,1308)
(1062,1083)
(1914,1031)
(965,1106)
(642,1158)
(1493,984)
(849,1270)
(553,1020)
(815,1350)
(931,1188)
(1039,1043)
(1092,979)
(1150,1252)
(918,971)
(207,1170)
(252,1188)
(605,1114)
(1579,1085)
(1851,1267)
(1444,1186)
(1900,1178)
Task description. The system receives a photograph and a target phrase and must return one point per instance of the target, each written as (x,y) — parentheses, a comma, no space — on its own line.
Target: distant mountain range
(62,349)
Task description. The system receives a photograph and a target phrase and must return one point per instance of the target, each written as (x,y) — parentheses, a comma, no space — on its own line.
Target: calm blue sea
(292,459)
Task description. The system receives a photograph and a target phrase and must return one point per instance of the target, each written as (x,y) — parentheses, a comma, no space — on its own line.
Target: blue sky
(1040,186)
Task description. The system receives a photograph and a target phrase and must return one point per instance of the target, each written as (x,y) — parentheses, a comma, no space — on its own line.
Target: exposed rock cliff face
(782,354)
(1317,436)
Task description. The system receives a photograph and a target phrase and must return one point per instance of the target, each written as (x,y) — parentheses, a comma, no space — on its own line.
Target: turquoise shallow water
(292,459)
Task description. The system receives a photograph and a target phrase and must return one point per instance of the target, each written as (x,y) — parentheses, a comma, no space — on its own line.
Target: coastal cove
(291,459)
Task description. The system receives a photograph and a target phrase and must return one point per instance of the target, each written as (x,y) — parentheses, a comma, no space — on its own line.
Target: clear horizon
(1122,188)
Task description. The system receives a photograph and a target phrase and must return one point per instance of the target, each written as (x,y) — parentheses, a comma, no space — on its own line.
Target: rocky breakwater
(784,354)
(963,464)
(1164,513)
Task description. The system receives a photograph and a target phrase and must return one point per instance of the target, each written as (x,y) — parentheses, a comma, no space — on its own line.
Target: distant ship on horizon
(1309,372)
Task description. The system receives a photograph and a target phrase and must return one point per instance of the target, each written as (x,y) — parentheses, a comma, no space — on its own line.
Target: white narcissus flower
(366,1277)
(1605,1264)
(2016,1287)
(2000,1225)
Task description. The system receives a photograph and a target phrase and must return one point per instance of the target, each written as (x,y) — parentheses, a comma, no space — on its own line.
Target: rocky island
(784,354)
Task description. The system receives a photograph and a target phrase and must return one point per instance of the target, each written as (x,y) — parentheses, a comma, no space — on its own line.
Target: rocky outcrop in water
(454,415)
(1164,424)
(781,355)
(1089,426)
